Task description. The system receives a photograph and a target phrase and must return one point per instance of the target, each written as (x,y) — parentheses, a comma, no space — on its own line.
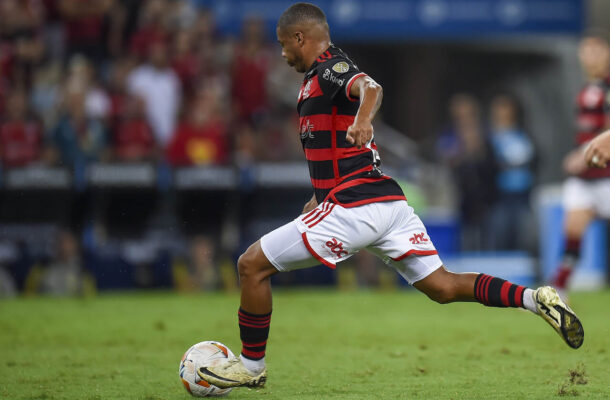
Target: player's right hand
(310,205)
(597,152)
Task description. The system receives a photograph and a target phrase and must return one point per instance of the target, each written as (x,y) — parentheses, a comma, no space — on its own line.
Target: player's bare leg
(445,287)
(575,225)
(254,315)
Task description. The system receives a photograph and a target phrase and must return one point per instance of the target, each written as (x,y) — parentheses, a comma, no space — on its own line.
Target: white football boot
(232,374)
(561,317)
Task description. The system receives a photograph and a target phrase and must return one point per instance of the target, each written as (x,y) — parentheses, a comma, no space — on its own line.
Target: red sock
(562,277)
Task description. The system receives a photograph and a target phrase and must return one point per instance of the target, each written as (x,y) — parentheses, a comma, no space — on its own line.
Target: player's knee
(245,267)
(250,268)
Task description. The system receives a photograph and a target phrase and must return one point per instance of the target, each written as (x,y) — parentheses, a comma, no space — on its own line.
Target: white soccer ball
(203,354)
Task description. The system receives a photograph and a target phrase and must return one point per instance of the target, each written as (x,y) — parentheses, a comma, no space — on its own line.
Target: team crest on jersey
(341,67)
(306,90)
(306,130)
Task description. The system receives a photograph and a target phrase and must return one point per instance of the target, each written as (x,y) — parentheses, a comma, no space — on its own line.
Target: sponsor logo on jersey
(341,67)
(336,247)
(418,238)
(332,78)
(306,130)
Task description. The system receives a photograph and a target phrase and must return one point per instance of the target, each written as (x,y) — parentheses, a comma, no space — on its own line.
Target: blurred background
(147,143)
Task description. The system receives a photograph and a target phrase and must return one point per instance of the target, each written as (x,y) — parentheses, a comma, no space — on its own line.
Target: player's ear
(300,38)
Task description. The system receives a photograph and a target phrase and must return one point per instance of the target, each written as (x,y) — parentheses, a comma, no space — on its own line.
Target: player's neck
(320,48)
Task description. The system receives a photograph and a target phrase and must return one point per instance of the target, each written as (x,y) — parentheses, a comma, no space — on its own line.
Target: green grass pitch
(323,345)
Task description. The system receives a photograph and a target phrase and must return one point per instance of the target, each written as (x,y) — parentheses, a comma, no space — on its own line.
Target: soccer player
(354,207)
(587,190)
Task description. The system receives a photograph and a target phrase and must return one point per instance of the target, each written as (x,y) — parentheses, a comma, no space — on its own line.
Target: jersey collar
(331,51)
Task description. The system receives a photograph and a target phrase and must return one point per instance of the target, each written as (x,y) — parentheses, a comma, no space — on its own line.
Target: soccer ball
(203,354)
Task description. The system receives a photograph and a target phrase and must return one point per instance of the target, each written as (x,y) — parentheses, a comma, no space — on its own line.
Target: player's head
(594,55)
(301,29)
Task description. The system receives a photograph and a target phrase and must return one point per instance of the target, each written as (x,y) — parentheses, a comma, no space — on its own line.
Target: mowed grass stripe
(323,345)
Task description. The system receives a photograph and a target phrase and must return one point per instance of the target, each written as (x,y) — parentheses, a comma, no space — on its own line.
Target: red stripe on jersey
(329,154)
(504,293)
(332,182)
(357,182)
(324,122)
(314,254)
(323,183)
(349,86)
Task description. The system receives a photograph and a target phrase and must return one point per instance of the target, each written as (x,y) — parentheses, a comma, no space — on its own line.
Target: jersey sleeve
(336,77)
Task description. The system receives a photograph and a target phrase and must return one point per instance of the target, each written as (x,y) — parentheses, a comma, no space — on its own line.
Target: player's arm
(597,152)
(310,205)
(370,94)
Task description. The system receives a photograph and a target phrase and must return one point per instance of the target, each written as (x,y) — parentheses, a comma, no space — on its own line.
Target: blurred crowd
(138,80)
(493,162)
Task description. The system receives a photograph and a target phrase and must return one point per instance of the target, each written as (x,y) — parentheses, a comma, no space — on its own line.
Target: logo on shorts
(336,247)
(418,238)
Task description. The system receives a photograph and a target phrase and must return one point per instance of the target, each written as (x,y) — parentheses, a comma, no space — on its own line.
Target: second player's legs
(576,223)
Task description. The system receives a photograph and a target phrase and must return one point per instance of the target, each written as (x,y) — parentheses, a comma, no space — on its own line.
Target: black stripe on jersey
(385,187)
(321,194)
(321,169)
(322,140)
(321,105)
(351,164)
(342,140)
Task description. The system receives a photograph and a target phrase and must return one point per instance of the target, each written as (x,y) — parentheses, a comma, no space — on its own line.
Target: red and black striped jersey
(340,172)
(593,114)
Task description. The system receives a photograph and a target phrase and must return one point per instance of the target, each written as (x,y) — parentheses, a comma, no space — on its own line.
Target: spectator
(21,46)
(133,138)
(65,274)
(79,138)
(199,271)
(251,63)
(159,87)
(465,150)
(84,27)
(185,61)
(202,137)
(81,78)
(515,154)
(151,29)
(117,89)
(20,134)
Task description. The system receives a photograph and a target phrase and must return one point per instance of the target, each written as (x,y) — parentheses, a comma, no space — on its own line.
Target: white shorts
(331,233)
(581,194)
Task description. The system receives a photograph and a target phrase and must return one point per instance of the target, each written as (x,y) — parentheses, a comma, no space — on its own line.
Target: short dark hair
(301,12)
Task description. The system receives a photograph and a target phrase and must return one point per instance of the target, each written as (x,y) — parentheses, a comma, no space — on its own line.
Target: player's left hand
(359,133)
